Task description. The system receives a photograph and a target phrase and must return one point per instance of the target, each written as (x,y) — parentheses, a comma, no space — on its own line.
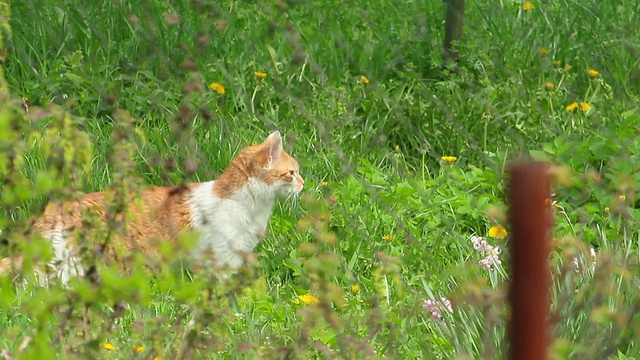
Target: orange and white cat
(229,215)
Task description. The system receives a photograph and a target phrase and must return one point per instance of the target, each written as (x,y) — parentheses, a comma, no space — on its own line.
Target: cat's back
(64,215)
(156,210)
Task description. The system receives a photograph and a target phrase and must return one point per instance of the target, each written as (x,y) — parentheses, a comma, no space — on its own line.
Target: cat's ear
(273,143)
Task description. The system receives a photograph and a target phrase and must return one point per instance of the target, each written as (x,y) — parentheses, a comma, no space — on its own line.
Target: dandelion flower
(549,86)
(498,232)
(527,6)
(449,159)
(606,209)
(544,51)
(572,107)
(622,198)
(584,106)
(387,237)
(108,346)
(364,80)
(593,73)
(355,288)
(307,299)
(138,348)
(217,87)
(260,75)
(324,184)
(557,63)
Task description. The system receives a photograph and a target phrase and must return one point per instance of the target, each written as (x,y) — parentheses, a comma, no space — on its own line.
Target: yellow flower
(138,348)
(557,63)
(157,358)
(449,159)
(622,198)
(364,80)
(324,184)
(584,106)
(342,88)
(606,210)
(387,237)
(108,346)
(549,86)
(217,87)
(498,232)
(544,51)
(260,75)
(307,299)
(593,73)
(355,288)
(572,107)
(527,6)
(567,67)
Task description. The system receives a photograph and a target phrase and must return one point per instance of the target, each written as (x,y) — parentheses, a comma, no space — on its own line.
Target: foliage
(404,161)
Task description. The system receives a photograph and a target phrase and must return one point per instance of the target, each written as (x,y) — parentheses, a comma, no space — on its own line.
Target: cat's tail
(11,265)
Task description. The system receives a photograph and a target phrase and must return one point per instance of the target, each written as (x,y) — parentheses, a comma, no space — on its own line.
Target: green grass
(120,97)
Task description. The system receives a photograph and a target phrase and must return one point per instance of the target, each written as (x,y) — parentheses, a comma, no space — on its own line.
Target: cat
(228,216)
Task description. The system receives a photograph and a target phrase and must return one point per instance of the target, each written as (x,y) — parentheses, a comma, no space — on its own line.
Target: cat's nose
(301,180)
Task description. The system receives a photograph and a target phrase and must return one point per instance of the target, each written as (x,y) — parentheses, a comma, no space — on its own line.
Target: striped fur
(229,215)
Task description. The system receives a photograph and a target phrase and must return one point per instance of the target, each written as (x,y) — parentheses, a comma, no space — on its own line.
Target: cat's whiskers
(290,196)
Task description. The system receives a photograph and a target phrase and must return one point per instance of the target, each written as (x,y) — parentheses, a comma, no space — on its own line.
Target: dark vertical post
(529,188)
(453,28)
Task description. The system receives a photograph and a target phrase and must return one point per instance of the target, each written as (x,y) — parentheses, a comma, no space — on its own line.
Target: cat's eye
(292,172)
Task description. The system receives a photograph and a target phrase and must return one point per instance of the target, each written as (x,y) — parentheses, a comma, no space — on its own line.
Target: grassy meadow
(404,159)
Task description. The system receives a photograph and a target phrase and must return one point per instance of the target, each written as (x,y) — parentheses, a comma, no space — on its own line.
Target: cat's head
(279,169)
(266,166)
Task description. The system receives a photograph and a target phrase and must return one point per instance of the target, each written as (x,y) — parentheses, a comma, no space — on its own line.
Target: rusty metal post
(453,28)
(529,189)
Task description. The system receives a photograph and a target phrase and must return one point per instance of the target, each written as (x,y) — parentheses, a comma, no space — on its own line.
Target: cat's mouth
(293,191)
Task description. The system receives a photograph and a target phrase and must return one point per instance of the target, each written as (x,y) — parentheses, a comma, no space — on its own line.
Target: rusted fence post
(529,191)
(453,28)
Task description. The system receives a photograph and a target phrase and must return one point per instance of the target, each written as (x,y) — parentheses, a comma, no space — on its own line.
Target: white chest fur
(229,228)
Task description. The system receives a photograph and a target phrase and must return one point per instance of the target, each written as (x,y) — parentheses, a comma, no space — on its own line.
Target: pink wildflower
(480,244)
(575,263)
(436,308)
(576,266)
(491,253)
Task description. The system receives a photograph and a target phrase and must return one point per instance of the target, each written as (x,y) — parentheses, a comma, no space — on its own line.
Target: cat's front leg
(64,262)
